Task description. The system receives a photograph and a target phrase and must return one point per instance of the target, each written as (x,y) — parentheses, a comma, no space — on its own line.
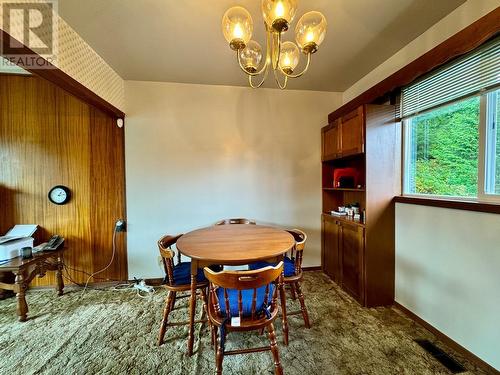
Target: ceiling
(181,41)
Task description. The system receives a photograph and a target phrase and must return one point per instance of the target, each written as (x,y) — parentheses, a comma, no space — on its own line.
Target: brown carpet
(110,332)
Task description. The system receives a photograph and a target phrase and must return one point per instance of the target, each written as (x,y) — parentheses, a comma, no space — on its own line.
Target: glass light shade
(251,56)
(289,57)
(278,14)
(237,27)
(310,31)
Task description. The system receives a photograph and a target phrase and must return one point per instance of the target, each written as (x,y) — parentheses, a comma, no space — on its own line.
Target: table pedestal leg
(192,306)
(283,310)
(59,279)
(22,306)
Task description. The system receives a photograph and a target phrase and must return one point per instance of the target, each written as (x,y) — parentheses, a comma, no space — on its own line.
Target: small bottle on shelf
(363,216)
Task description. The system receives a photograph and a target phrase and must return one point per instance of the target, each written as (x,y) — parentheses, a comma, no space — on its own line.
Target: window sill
(491,208)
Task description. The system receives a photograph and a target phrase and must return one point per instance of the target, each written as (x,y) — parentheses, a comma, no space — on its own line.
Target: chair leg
(303,308)
(205,315)
(205,306)
(172,303)
(213,339)
(278,368)
(292,291)
(283,313)
(219,354)
(166,311)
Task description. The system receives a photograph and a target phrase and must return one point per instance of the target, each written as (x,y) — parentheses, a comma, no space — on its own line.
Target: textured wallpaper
(70,52)
(77,59)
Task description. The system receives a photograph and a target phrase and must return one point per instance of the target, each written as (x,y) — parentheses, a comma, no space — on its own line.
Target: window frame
(482,195)
(488,111)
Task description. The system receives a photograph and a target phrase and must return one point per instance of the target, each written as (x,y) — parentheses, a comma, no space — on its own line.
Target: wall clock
(59,194)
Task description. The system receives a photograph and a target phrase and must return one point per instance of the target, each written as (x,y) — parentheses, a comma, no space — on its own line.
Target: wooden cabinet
(352,247)
(344,137)
(351,133)
(331,254)
(331,141)
(343,249)
(359,256)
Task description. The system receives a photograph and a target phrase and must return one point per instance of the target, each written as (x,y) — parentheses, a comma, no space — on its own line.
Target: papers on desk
(18,232)
(15,239)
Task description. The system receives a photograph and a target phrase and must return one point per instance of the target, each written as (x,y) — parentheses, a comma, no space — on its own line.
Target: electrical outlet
(120,225)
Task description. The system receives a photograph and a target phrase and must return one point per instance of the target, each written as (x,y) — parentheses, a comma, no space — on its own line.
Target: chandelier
(282,57)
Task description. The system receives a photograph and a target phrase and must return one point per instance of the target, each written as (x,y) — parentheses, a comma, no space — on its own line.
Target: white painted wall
(447,261)
(457,20)
(448,273)
(196,154)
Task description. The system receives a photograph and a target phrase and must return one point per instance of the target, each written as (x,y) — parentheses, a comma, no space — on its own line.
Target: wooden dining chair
(243,301)
(177,280)
(293,275)
(235,221)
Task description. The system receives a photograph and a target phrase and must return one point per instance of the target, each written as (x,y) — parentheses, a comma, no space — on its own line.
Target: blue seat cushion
(247,298)
(182,274)
(289,266)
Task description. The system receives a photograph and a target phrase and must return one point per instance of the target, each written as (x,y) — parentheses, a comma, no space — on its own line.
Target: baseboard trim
(99,284)
(312,268)
(158,281)
(447,340)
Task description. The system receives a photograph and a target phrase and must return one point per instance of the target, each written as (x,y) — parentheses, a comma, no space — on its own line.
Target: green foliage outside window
(444,151)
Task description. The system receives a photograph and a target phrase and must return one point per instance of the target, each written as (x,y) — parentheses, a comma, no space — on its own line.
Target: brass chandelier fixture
(282,57)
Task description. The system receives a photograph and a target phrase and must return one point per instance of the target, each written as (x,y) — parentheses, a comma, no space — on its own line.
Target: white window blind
(469,75)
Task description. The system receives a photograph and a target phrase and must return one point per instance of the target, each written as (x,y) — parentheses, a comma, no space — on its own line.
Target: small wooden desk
(25,270)
(232,245)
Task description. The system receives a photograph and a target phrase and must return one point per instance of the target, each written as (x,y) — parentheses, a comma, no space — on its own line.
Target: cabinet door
(331,142)
(352,133)
(352,249)
(331,260)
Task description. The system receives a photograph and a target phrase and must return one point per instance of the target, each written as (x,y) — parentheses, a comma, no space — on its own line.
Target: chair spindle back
(168,255)
(235,221)
(297,252)
(243,280)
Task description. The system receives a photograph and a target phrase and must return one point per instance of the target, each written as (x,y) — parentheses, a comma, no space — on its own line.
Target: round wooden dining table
(231,245)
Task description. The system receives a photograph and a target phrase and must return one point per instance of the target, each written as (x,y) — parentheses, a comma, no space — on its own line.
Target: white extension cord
(139,285)
(145,288)
(105,268)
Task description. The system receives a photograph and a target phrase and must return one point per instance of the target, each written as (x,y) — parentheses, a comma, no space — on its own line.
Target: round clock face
(59,194)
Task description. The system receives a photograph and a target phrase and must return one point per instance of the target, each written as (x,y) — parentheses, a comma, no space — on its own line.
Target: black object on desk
(54,243)
(26,252)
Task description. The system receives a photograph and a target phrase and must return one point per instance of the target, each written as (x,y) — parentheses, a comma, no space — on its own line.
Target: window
(452,138)
(443,150)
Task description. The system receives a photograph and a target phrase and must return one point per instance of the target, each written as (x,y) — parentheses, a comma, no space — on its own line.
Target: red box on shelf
(345,178)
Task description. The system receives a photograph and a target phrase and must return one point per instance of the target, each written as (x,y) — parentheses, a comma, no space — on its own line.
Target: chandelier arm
(250,81)
(302,72)
(276,78)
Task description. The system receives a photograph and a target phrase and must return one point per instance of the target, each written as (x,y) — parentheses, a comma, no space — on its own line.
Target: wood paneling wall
(48,137)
